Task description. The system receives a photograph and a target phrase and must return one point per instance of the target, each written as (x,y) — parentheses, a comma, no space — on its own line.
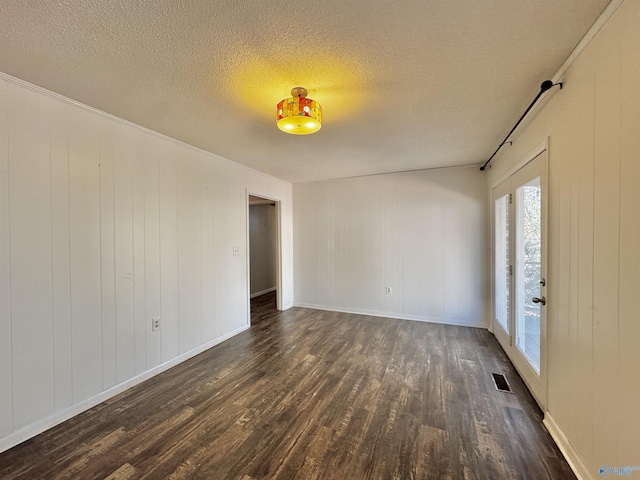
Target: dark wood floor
(307,394)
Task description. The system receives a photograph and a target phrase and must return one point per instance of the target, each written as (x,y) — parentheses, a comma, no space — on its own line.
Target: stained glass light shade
(298,114)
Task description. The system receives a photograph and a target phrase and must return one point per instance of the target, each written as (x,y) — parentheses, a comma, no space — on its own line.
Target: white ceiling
(404,85)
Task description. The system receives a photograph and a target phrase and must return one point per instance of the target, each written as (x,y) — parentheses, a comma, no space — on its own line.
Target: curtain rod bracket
(544,86)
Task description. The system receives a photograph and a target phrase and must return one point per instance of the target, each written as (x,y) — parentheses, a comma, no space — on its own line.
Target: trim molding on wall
(399,316)
(572,457)
(44,424)
(263,292)
(604,17)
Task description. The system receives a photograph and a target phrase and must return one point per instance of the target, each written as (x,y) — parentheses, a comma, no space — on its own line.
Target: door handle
(539,300)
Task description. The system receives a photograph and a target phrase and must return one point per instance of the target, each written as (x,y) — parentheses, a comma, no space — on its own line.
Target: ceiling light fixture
(298,114)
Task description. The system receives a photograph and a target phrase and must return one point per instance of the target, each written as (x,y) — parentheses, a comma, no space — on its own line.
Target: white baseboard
(373,313)
(263,292)
(44,424)
(572,457)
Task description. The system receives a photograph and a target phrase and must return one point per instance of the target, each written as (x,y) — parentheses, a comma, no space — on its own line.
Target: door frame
(537,388)
(278,240)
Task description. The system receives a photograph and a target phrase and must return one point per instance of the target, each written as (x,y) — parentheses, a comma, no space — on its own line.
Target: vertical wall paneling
(606,250)
(6,332)
(422,234)
(424,286)
(628,387)
(60,271)
(334,238)
(230,300)
(436,253)
(389,250)
(582,342)
(84,219)
(360,249)
(104,226)
(302,239)
(335,201)
(197,186)
(378,206)
(560,198)
(141,324)
(452,299)
(207,257)
(169,280)
(370,235)
(187,209)
(350,275)
(241,290)
(322,275)
(30,245)
(123,258)
(348,243)
(221,253)
(152,258)
(408,263)
(415,253)
(469,220)
(107,260)
(573,184)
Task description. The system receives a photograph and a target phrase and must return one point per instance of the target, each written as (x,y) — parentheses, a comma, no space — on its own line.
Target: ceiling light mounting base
(299,92)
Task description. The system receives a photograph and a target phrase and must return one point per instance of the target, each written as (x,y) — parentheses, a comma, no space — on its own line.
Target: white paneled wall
(104,226)
(423,234)
(594,247)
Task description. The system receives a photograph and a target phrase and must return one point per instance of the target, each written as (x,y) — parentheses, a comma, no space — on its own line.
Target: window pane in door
(527,270)
(502,286)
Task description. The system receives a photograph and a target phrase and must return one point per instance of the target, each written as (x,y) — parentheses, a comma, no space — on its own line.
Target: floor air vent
(500,381)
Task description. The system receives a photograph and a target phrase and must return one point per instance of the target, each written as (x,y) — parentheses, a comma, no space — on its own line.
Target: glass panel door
(519,320)
(528,253)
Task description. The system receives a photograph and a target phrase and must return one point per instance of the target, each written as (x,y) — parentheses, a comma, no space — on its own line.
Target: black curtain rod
(546,85)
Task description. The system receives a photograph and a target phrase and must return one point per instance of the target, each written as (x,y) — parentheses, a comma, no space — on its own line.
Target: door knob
(539,300)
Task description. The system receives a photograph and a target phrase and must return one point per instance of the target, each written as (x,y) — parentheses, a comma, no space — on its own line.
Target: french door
(519,271)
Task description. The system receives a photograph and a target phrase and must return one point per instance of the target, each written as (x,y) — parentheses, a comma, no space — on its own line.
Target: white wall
(262,252)
(593,126)
(103,226)
(424,234)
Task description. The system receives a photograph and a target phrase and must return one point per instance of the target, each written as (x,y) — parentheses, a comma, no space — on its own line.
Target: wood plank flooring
(308,394)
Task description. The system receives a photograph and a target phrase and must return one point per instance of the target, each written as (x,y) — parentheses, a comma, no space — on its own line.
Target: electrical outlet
(155,324)
(388,290)
(236,251)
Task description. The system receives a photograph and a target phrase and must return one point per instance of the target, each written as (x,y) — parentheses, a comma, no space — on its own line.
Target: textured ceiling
(404,84)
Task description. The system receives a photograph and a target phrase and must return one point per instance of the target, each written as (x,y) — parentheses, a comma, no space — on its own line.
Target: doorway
(264,255)
(519,208)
